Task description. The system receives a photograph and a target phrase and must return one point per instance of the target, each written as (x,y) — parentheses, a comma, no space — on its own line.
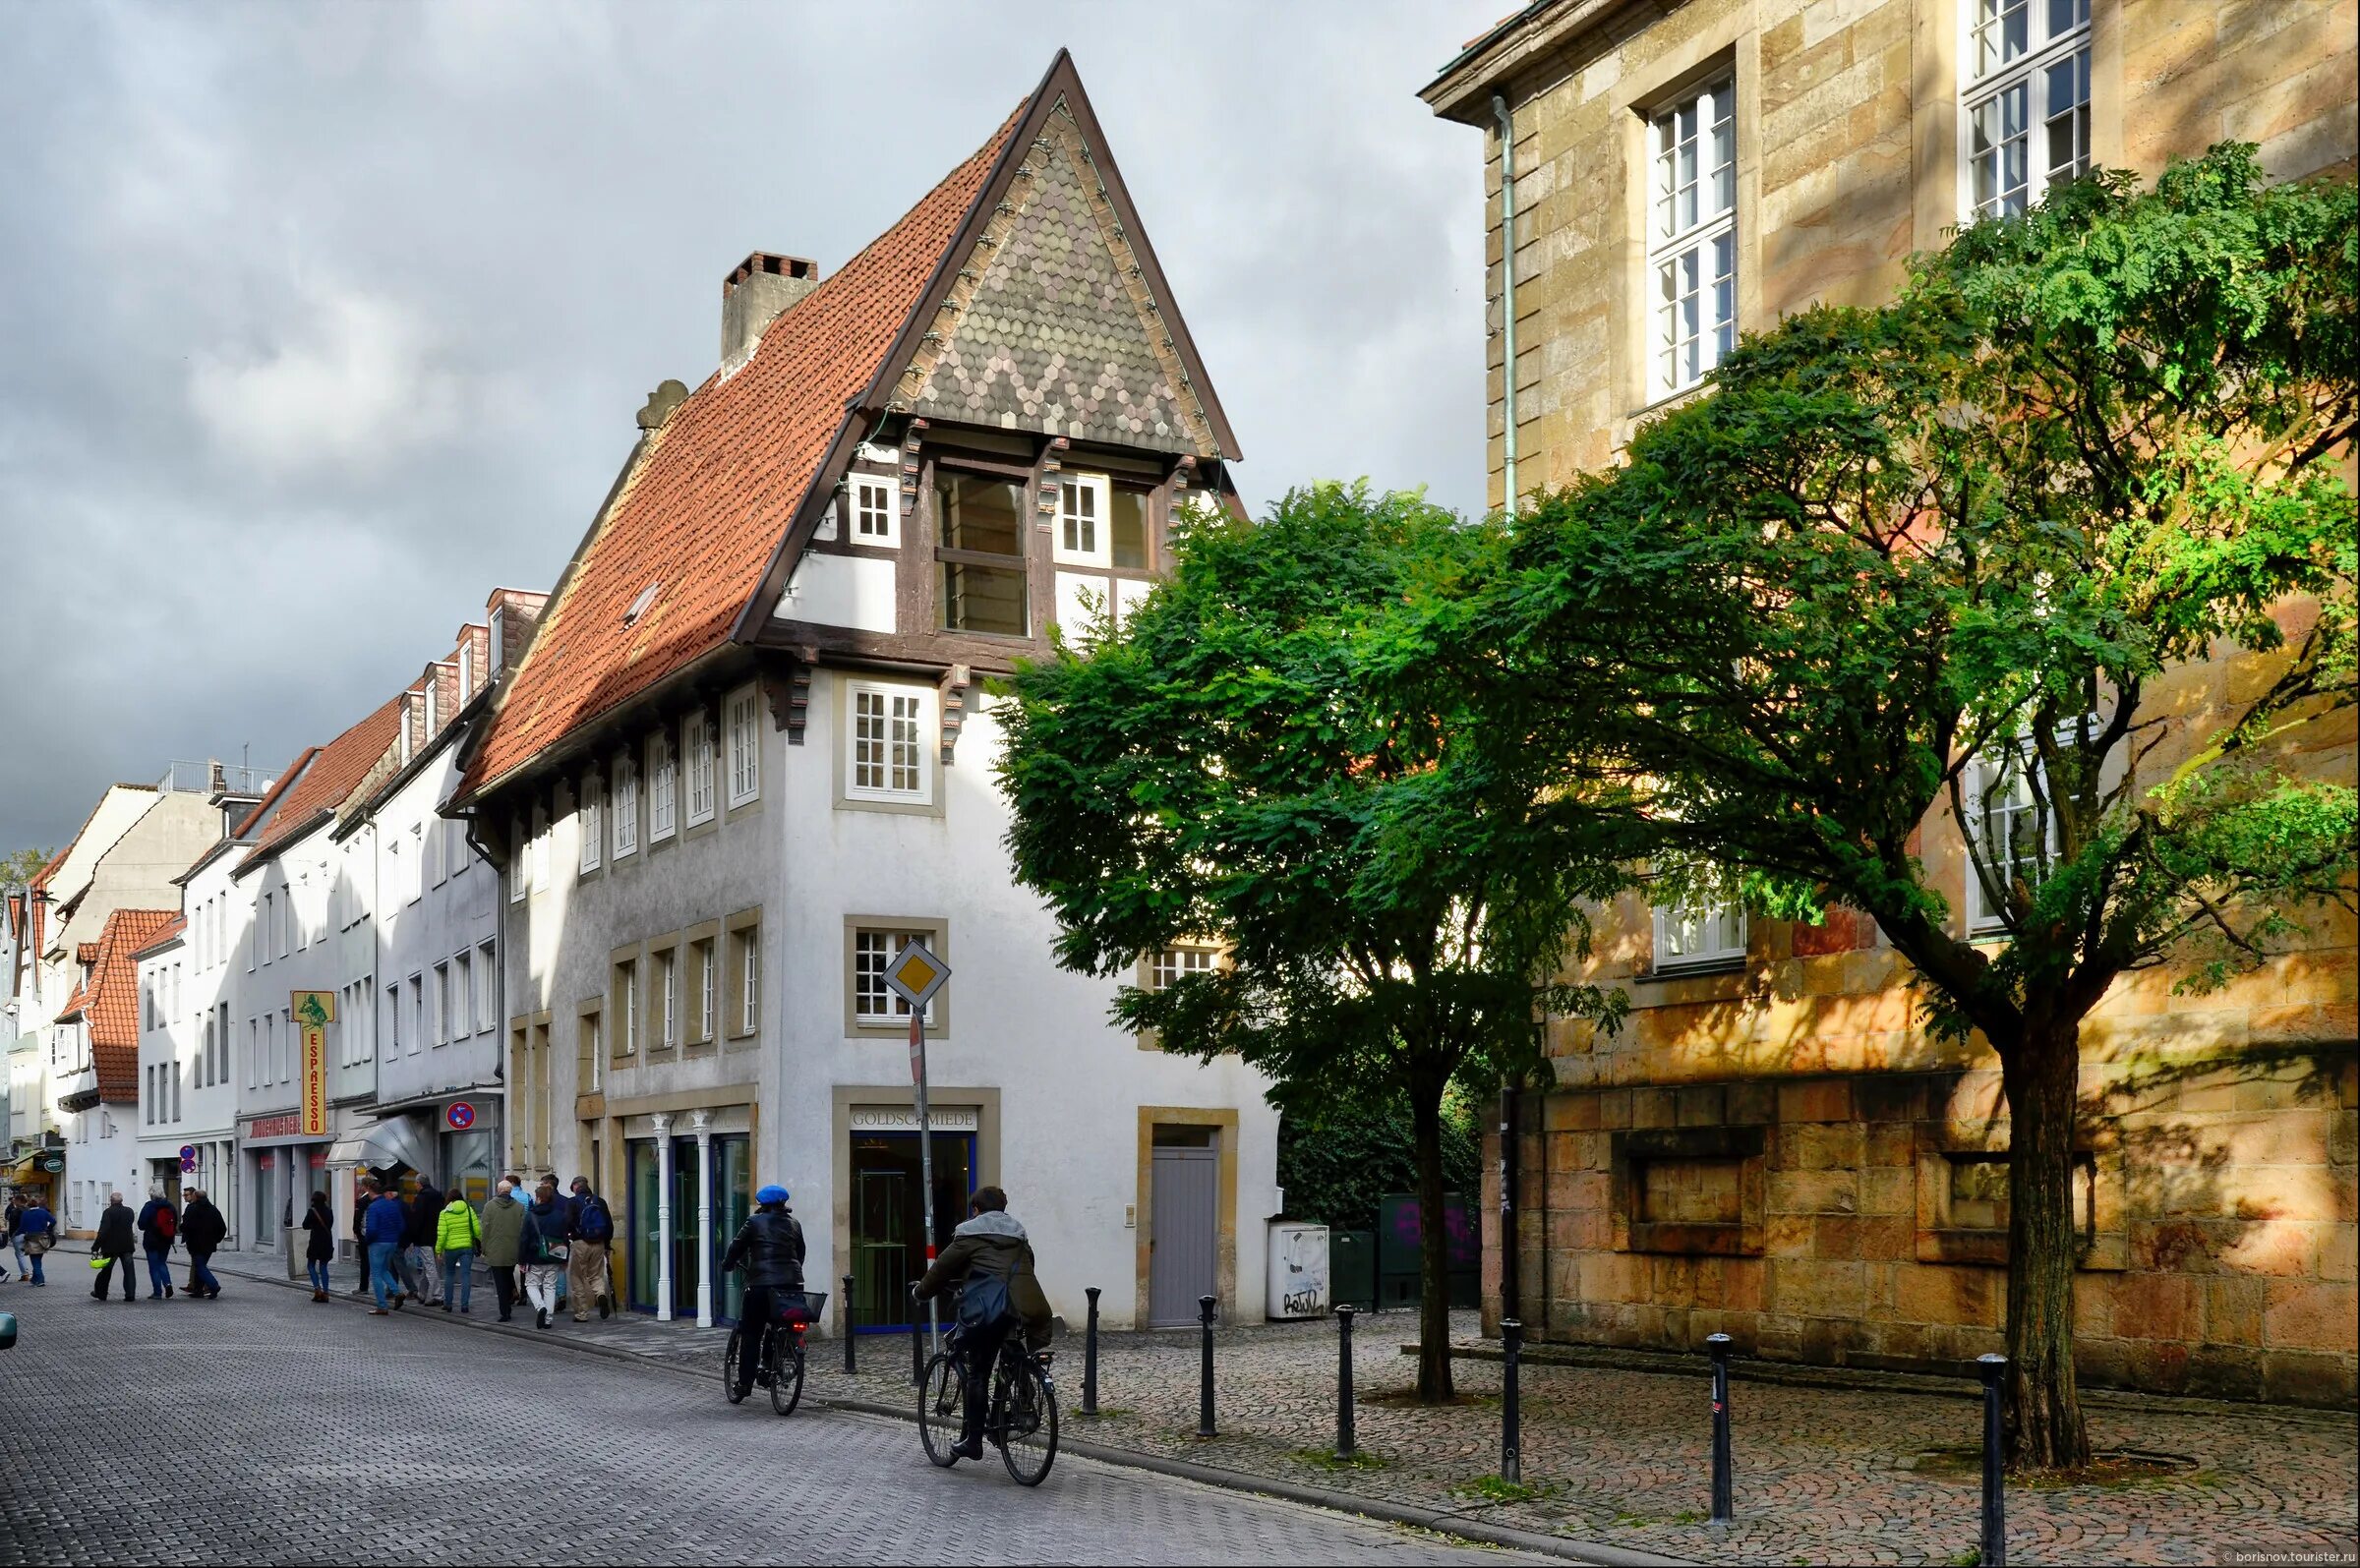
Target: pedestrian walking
(37,1227)
(160,1226)
(548,1242)
(11,1219)
(458,1236)
(319,1243)
(363,1196)
(504,1220)
(112,1246)
(202,1232)
(587,1278)
(418,1274)
(383,1225)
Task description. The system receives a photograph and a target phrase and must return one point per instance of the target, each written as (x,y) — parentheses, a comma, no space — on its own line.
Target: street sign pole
(926,1157)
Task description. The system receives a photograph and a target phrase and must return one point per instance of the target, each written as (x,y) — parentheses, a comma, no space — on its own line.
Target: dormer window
(639,606)
(981,521)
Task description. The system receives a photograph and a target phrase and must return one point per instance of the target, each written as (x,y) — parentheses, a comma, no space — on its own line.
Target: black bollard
(1512,1412)
(847,1322)
(1343,1383)
(1724,1501)
(1090,1356)
(1995,1503)
(1205,1304)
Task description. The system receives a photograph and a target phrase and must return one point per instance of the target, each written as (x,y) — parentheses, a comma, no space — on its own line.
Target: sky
(316,324)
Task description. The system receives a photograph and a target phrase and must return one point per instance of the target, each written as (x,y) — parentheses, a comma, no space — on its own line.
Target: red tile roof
(178,925)
(85,952)
(113,1001)
(709,496)
(337,769)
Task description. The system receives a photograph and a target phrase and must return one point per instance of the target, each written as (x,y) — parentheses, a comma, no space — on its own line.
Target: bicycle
(1020,1419)
(781,1365)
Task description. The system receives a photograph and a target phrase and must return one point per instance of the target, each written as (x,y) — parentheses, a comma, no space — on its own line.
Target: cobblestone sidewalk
(1620,1458)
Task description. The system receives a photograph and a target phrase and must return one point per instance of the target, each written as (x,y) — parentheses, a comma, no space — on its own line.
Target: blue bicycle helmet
(773,1194)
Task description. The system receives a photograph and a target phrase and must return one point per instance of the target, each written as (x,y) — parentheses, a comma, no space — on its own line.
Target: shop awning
(395,1141)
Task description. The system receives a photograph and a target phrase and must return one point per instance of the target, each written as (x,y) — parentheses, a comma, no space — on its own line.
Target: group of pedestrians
(540,1245)
(32,1230)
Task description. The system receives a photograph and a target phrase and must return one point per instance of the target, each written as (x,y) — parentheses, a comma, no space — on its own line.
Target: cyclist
(990,1247)
(770,1249)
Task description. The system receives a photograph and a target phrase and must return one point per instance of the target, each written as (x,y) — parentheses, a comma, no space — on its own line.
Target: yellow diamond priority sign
(916,975)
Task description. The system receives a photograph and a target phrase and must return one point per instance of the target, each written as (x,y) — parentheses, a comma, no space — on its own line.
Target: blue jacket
(385,1220)
(35,1221)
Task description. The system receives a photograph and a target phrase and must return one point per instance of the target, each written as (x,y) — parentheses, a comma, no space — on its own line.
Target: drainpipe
(1508,295)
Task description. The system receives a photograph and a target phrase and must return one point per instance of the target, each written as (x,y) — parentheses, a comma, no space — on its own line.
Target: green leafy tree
(1246,764)
(22,867)
(1338,1161)
(1974,550)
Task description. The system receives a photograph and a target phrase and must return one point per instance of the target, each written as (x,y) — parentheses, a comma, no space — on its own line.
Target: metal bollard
(847,1322)
(1724,1501)
(1512,1412)
(1206,1304)
(1995,1500)
(1090,1356)
(1343,1383)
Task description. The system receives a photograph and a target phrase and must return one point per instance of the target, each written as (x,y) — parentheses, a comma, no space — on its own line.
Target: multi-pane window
(2014,827)
(666,982)
(873,1000)
(663,786)
(487,994)
(1692,237)
(2026,118)
(708,988)
(625,1010)
(439,1027)
(696,741)
(886,759)
(590,1054)
(744,737)
(626,807)
(1698,933)
(590,820)
(434,843)
(1082,533)
(748,940)
(462,996)
(874,511)
(981,521)
(417,1011)
(1174,964)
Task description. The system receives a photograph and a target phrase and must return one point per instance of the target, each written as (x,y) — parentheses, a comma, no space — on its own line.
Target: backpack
(166,1225)
(596,1223)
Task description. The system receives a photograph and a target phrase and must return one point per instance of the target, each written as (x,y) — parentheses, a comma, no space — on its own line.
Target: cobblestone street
(1617,1458)
(266,1428)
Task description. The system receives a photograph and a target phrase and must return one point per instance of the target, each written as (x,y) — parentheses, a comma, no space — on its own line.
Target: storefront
(888,1215)
(451,1139)
(281,1167)
(690,1178)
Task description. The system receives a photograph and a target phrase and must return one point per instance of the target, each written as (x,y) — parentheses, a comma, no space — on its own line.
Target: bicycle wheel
(729,1372)
(941,1402)
(1029,1442)
(785,1375)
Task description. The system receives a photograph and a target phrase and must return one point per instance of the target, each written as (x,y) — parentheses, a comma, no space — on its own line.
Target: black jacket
(115,1233)
(546,1228)
(321,1247)
(425,1210)
(771,1249)
(202,1225)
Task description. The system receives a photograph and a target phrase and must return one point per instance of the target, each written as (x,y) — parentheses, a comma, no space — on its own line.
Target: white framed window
(1083,536)
(2011,824)
(749,978)
(742,721)
(885,755)
(393,1018)
(417,883)
(436,843)
(704,954)
(1692,237)
(663,786)
(460,856)
(696,746)
(540,846)
(520,861)
(1173,964)
(463,1006)
(487,990)
(625,804)
(666,982)
(626,1008)
(2025,115)
(590,822)
(417,1013)
(437,1029)
(873,1000)
(875,507)
(1701,933)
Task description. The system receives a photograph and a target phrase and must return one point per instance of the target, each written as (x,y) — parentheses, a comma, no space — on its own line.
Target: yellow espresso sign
(315,1010)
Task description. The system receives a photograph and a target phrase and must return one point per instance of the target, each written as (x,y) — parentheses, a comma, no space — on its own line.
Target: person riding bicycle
(990,1259)
(770,1249)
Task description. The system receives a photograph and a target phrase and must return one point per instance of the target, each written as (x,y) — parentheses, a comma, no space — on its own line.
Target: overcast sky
(317,322)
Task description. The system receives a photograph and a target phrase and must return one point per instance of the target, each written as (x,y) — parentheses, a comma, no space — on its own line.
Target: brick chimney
(756,292)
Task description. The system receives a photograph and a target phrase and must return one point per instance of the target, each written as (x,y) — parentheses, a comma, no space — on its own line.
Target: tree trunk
(2043,1408)
(1434,1252)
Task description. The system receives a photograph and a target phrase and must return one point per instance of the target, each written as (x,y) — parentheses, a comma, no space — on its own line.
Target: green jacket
(994,1243)
(502,1231)
(458,1227)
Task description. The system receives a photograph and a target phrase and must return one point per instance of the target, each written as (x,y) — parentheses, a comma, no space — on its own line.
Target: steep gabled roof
(334,773)
(111,1006)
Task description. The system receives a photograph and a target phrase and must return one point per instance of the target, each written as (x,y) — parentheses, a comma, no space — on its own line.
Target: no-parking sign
(459,1117)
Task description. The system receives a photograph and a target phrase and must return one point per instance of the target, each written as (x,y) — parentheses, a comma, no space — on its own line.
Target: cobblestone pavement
(1620,1457)
(266,1428)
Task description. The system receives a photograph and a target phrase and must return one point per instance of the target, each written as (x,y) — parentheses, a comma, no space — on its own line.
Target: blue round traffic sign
(460,1117)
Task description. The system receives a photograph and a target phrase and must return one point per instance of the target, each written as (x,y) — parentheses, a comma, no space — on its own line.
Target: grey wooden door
(1183,1249)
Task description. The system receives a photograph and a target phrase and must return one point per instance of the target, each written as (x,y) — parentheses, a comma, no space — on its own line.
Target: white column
(662,1121)
(703,1121)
